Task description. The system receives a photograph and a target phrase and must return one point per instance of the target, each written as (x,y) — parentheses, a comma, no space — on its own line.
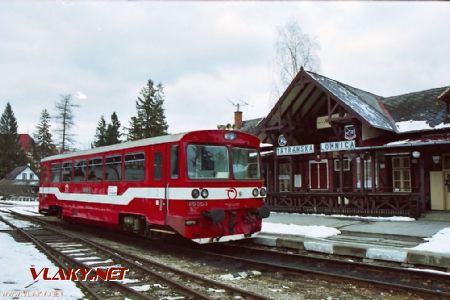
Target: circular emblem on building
(282,140)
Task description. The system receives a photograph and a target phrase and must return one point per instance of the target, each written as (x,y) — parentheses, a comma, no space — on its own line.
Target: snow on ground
(313,231)
(22,207)
(440,242)
(393,218)
(15,280)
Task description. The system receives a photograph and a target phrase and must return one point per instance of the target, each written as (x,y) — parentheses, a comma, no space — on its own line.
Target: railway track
(146,279)
(423,283)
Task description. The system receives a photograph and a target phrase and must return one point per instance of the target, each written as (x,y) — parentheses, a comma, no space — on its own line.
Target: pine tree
(43,137)
(11,154)
(113,130)
(150,120)
(64,117)
(101,133)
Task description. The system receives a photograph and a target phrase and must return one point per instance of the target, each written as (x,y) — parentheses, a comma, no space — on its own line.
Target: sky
(205,54)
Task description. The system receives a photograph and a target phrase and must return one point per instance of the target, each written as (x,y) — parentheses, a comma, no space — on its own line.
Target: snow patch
(321,247)
(387,254)
(412,125)
(439,242)
(313,231)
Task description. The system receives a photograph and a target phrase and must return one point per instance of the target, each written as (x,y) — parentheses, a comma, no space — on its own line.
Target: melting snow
(440,242)
(307,231)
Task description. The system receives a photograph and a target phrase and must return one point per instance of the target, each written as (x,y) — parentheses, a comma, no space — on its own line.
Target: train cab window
(56,172)
(245,163)
(79,171)
(66,172)
(157,165)
(95,169)
(113,168)
(174,165)
(134,166)
(207,162)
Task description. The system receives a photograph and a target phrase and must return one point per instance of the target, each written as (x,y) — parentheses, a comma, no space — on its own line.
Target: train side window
(79,171)
(56,172)
(174,165)
(66,172)
(113,170)
(157,165)
(95,167)
(134,167)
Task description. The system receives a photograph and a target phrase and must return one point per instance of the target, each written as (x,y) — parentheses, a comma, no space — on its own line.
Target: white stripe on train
(149,193)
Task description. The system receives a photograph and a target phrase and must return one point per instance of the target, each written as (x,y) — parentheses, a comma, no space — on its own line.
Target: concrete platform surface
(366,238)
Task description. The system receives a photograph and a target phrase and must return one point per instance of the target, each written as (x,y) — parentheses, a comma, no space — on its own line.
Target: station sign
(295,150)
(337,146)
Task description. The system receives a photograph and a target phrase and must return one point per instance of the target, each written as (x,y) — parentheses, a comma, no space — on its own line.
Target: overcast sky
(204,54)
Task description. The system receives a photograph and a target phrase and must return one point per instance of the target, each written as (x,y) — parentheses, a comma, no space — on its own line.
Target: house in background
(23,175)
(339,149)
(27,145)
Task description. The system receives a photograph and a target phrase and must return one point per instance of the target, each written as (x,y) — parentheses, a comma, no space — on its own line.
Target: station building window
(318,175)
(284,177)
(367,173)
(401,174)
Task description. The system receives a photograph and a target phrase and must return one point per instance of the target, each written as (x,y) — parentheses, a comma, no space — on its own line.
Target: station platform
(385,239)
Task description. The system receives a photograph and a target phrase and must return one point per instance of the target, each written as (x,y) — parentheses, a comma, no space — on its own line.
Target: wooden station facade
(339,149)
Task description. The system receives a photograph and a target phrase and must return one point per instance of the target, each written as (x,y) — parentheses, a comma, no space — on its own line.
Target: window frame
(229,166)
(135,160)
(105,166)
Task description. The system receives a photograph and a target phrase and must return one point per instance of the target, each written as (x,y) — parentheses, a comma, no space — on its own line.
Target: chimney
(237,119)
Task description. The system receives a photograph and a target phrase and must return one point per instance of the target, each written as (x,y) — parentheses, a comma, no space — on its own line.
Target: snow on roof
(411,125)
(358,105)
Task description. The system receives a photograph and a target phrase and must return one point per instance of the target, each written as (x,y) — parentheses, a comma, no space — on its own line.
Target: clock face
(282,140)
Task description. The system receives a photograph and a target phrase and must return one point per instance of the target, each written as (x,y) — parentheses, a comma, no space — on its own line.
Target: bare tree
(295,49)
(64,118)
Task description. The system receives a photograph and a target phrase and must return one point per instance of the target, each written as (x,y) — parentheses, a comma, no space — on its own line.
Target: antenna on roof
(238,103)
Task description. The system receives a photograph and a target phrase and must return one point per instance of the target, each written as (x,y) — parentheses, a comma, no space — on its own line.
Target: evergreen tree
(101,133)
(113,130)
(11,154)
(43,137)
(64,117)
(150,120)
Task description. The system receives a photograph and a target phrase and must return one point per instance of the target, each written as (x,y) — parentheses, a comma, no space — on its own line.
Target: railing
(373,204)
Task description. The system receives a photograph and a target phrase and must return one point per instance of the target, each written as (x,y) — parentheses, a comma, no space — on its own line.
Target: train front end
(220,196)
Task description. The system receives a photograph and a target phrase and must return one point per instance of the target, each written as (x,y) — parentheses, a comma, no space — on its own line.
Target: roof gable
(14,173)
(362,103)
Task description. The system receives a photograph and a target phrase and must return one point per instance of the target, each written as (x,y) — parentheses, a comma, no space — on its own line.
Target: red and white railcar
(204,185)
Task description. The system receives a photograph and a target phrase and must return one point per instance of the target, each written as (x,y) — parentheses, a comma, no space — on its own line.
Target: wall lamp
(436,158)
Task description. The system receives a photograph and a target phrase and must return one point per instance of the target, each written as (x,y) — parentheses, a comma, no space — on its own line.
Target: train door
(159,182)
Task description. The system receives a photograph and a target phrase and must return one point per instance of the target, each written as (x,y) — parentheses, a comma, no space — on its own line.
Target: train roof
(144,142)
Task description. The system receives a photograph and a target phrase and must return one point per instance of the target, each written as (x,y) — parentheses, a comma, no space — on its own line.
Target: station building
(339,149)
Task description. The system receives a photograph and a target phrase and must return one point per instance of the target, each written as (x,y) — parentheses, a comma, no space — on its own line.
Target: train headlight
(230,136)
(255,192)
(195,193)
(263,192)
(204,193)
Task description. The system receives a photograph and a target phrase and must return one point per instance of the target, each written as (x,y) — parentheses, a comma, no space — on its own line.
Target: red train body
(204,185)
